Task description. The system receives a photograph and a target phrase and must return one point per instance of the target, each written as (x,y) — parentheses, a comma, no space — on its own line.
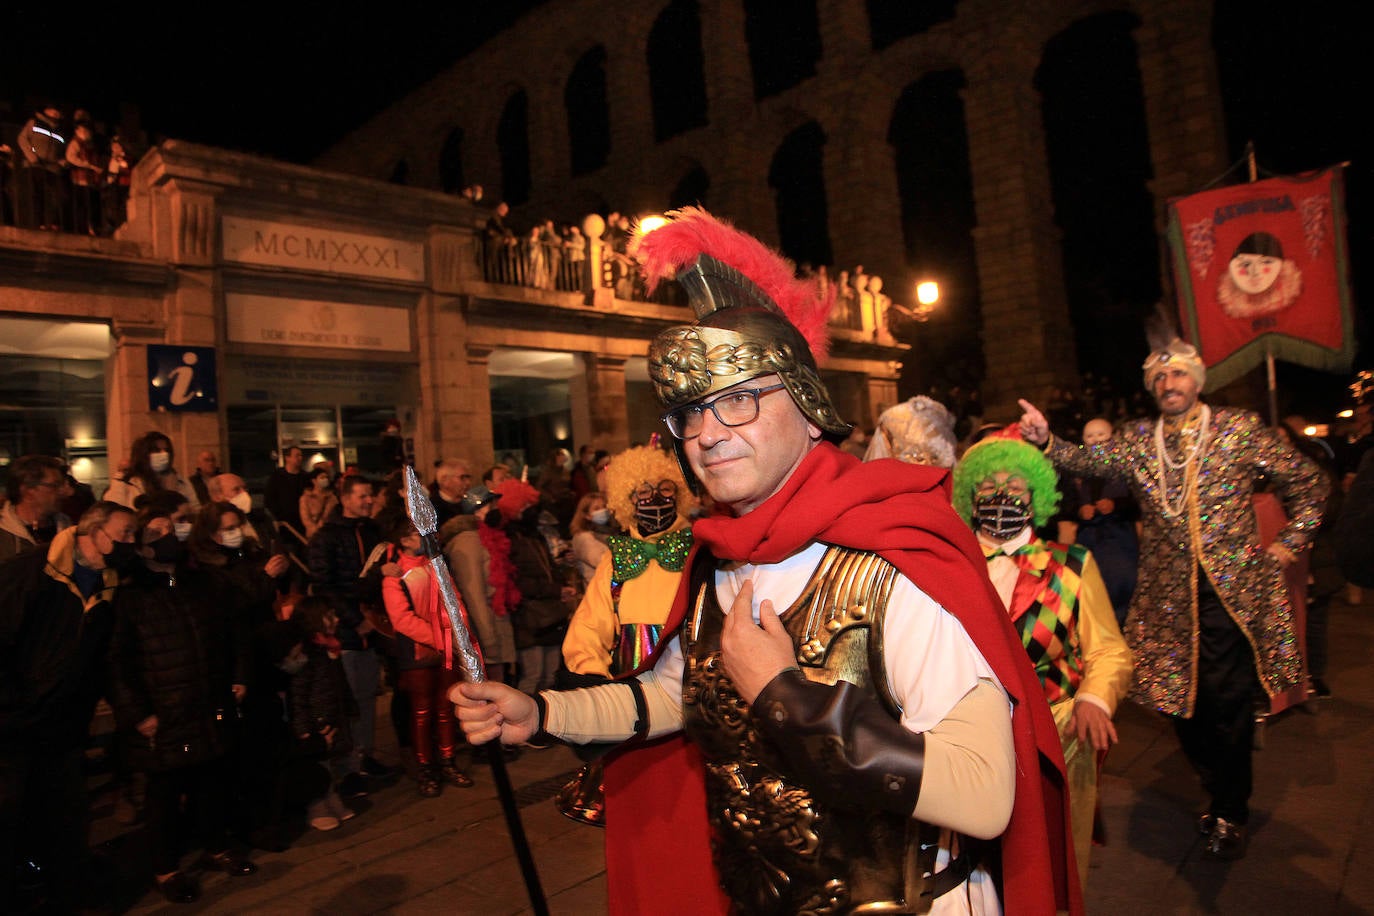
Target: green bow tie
(1032,557)
(631,556)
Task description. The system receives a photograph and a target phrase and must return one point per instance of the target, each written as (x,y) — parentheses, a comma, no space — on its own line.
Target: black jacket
(542,617)
(320,697)
(1351,532)
(53,646)
(337,554)
(175,653)
(282,496)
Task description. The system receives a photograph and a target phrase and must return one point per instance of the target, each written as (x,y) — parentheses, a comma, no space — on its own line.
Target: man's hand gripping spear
(469,657)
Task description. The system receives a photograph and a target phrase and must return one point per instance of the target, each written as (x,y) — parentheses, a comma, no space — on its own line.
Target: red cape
(902,512)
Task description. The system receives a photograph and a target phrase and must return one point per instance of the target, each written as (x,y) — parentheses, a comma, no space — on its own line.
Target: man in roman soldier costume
(873,737)
(1210,624)
(1005,488)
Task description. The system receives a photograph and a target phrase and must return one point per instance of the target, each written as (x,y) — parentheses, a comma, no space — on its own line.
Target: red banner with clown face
(1262,267)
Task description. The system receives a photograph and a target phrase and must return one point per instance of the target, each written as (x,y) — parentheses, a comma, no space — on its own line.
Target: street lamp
(927,295)
(647,224)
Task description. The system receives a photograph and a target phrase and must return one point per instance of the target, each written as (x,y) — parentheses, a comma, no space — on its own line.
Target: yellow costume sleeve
(1107,660)
(592,630)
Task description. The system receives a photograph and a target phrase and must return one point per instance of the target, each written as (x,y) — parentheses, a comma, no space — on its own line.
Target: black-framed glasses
(734,408)
(646,491)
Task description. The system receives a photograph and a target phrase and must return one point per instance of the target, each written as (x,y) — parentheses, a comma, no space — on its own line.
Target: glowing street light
(648,224)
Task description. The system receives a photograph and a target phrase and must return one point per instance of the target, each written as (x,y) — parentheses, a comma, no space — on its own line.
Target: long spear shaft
(421,512)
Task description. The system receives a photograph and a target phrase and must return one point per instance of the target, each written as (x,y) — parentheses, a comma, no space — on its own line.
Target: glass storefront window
(55,407)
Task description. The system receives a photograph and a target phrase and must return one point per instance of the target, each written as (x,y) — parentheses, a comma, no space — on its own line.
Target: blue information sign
(182,378)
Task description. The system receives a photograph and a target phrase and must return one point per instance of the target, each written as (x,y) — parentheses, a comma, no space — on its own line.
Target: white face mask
(243,501)
(600,516)
(160,461)
(231,538)
(182,529)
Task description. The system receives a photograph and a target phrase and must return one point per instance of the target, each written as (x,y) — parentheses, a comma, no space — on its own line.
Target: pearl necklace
(1194,454)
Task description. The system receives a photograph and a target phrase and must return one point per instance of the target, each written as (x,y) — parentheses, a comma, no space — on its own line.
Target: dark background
(288,80)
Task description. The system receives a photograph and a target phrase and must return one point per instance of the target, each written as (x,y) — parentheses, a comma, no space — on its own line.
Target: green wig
(1019,459)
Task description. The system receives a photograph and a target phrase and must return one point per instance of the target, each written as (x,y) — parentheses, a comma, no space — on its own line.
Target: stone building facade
(996,45)
(296,306)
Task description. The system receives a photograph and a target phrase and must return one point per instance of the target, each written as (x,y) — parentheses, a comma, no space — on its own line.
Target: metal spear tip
(418,506)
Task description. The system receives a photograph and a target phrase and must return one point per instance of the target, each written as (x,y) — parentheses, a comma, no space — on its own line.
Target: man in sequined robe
(1210,624)
(872,735)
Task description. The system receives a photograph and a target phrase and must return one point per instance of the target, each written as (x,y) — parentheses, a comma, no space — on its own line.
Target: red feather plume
(691,231)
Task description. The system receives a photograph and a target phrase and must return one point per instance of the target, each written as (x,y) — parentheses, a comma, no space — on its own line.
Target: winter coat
(126,490)
(470,563)
(176,653)
(337,554)
(15,536)
(53,647)
(541,618)
(321,698)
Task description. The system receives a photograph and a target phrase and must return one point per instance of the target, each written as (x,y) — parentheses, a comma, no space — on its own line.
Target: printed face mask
(655,514)
(1001,515)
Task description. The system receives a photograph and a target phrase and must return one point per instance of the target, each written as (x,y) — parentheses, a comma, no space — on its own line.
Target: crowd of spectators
(64,173)
(315,589)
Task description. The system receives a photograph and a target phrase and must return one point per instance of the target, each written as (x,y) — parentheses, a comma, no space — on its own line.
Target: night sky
(283,80)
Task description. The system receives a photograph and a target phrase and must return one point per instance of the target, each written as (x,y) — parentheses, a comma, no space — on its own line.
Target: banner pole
(1273,384)
(1271,375)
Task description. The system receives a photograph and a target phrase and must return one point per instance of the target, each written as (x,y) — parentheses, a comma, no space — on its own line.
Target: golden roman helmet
(754,318)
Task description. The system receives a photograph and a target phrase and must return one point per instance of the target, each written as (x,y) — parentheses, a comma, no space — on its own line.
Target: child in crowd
(322,704)
(425,661)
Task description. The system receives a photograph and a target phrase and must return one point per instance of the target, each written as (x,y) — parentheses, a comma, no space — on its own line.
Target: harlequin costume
(1056,598)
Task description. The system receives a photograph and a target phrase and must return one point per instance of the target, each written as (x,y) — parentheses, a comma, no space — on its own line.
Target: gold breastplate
(777,850)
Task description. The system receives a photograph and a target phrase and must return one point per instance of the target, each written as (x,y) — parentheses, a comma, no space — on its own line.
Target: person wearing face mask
(317,501)
(591,524)
(1004,487)
(620,619)
(56,617)
(258,523)
(245,577)
(179,667)
(424,658)
(151,470)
